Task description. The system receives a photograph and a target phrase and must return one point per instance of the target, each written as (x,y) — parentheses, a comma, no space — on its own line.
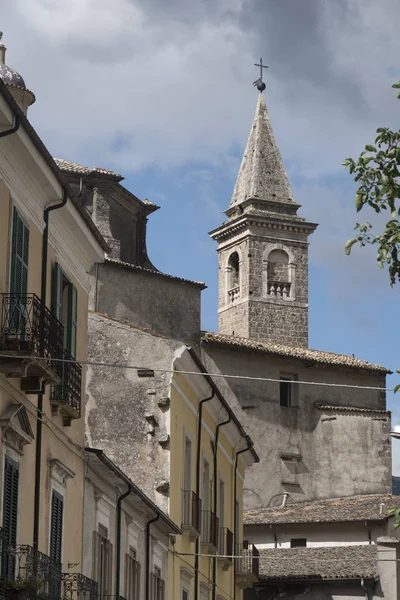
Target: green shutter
(72,319)
(19,255)
(10,502)
(56,300)
(57,509)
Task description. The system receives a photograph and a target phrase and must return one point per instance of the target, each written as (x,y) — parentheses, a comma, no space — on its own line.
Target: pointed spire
(262,175)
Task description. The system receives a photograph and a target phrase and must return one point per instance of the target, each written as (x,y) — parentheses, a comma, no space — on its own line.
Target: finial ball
(261,86)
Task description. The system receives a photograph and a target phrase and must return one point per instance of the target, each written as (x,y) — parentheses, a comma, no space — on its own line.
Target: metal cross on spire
(258,83)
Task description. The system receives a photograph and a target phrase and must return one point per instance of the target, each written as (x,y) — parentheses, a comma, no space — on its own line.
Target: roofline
(236,345)
(224,403)
(384,518)
(322,580)
(134,488)
(41,148)
(139,269)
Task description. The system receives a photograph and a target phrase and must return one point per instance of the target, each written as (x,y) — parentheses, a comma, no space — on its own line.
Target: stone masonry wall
(278,321)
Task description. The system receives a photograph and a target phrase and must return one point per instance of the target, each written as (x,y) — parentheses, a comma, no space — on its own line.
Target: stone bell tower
(263,247)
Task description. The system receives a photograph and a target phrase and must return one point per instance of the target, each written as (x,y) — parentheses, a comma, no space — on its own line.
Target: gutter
(39,414)
(215,457)
(197,542)
(235,532)
(224,403)
(13,129)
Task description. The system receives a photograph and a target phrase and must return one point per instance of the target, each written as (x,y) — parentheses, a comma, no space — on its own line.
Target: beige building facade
(48,244)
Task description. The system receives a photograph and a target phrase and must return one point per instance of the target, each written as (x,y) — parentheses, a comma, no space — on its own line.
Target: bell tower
(263,247)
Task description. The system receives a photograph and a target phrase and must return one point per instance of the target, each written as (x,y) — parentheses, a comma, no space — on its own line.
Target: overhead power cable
(153,370)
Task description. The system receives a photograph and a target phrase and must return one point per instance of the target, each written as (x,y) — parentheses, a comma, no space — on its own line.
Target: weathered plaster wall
(347,590)
(128,416)
(165,307)
(339,453)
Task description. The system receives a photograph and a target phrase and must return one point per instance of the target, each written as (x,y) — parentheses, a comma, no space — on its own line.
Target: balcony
(246,564)
(76,586)
(191,512)
(278,289)
(30,337)
(28,573)
(209,532)
(66,396)
(234,294)
(225,548)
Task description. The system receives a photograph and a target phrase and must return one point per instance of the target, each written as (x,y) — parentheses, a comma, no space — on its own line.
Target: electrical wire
(199,373)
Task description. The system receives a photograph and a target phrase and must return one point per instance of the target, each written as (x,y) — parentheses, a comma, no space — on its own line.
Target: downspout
(197,542)
(13,129)
(215,457)
(148,554)
(118,542)
(235,532)
(39,417)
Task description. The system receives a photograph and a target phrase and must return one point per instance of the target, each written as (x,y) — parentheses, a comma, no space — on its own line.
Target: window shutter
(72,319)
(10,503)
(56,300)
(95,557)
(57,510)
(109,567)
(19,255)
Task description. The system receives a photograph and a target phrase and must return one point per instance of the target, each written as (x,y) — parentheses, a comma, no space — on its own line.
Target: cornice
(229,228)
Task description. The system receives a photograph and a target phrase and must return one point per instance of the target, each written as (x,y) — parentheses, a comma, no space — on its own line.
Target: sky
(162,93)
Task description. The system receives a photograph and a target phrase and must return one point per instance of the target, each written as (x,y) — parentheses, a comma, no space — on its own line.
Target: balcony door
(19,255)
(64,307)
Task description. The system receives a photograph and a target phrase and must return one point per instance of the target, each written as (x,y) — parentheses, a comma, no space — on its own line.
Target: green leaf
(370,148)
(396,388)
(359,201)
(396,86)
(349,245)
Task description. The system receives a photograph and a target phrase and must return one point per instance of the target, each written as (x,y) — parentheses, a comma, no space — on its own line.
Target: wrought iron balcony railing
(209,530)
(67,395)
(27,569)
(191,513)
(29,329)
(247,564)
(76,586)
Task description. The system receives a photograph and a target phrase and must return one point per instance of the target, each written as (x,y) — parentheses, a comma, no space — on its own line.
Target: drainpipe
(368,587)
(197,542)
(215,457)
(13,129)
(43,287)
(118,542)
(148,524)
(235,532)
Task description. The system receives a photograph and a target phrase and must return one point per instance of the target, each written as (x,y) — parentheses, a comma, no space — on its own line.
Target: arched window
(233,277)
(278,274)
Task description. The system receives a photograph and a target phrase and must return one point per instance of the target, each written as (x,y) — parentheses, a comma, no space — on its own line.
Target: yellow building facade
(47,246)
(209,454)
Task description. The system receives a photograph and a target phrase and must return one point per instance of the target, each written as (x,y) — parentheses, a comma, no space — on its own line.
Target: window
(19,255)
(287,391)
(57,510)
(187,465)
(65,306)
(102,561)
(132,576)
(185,594)
(298,543)
(158,585)
(233,270)
(206,485)
(278,274)
(10,508)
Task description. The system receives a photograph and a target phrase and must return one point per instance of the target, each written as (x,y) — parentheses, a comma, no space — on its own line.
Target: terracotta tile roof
(120,263)
(305,354)
(372,507)
(338,408)
(70,167)
(332,562)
